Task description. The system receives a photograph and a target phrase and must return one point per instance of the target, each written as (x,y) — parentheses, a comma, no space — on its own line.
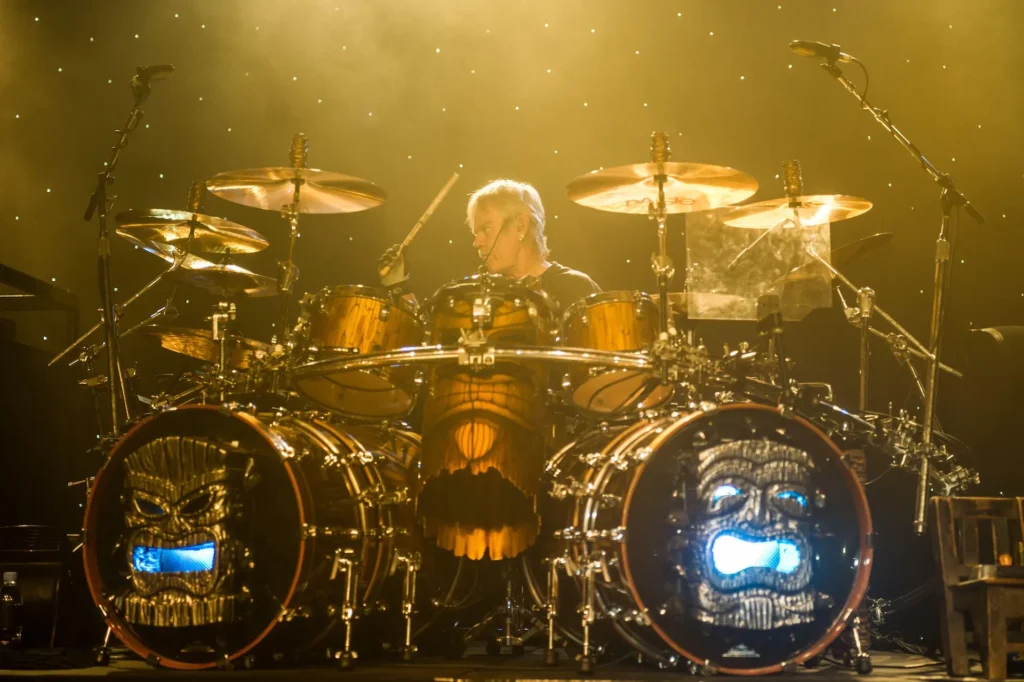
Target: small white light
(545,25)
(175,15)
(47,190)
(319,101)
(203,26)
(556,151)
(59,69)
(627,260)
(549,70)
(443,109)
(371,113)
(229,130)
(200,99)
(110,80)
(790,66)
(584,104)
(645,104)
(136,36)
(257,28)
(638,52)
(449,241)
(711,33)
(44,338)
(743,78)
(295,78)
(147,125)
(437,50)
(517,108)
(91,39)
(410,156)
(592,31)
(472,70)
(53,279)
(37,18)
(17,116)
(460,165)
(161,176)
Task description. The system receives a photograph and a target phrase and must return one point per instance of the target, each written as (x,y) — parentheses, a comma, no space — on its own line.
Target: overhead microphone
(158,72)
(812,48)
(145,74)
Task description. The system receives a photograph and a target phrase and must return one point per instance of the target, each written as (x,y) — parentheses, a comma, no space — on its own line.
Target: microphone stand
(100,204)
(950,197)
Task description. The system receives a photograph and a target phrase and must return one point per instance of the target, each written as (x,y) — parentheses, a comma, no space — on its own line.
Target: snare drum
(484,428)
(358,319)
(614,321)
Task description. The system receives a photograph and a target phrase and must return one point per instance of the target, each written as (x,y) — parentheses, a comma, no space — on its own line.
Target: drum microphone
(812,48)
(145,74)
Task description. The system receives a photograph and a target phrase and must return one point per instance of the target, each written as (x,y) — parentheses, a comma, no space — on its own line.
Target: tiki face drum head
(747,538)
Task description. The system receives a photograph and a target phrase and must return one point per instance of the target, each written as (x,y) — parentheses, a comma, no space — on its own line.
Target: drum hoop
(363,291)
(501,284)
(616,296)
(865,557)
(91,561)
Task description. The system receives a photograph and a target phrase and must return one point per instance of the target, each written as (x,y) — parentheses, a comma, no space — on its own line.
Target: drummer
(506,219)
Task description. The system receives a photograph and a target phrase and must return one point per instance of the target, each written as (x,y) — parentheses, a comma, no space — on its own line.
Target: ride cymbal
(320,191)
(689,187)
(812,210)
(199,344)
(210,234)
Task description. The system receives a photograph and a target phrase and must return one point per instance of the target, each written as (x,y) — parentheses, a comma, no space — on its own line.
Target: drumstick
(420,223)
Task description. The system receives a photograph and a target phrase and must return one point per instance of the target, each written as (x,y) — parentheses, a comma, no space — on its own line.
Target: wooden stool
(977,544)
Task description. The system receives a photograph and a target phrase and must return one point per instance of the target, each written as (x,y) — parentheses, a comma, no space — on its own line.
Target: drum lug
(312,531)
(380,497)
(288,615)
(385,313)
(585,320)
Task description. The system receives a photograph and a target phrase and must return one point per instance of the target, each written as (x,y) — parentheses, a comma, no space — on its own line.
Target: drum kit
(626,488)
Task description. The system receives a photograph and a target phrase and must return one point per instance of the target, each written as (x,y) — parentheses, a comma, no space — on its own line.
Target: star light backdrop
(403,93)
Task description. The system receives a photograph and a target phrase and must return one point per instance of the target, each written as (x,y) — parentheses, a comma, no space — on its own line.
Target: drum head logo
(180,498)
(752,553)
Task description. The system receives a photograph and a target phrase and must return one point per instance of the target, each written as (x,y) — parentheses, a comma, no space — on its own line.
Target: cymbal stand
(661,262)
(220,321)
(287,273)
(950,198)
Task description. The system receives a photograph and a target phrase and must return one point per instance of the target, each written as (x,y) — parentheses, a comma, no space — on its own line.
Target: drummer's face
(502,244)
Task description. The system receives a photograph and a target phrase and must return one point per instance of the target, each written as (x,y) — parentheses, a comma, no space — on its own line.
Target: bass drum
(211,532)
(737,538)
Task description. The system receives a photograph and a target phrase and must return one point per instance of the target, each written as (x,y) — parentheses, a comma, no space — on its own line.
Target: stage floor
(481,668)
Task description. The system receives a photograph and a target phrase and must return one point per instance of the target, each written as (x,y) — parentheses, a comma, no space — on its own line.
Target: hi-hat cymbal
(842,255)
(211,235)
(812,210)
(321,191)
(224,279)
(199,344)
(688,187)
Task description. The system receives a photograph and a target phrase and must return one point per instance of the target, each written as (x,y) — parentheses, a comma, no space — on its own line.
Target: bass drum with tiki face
(737,538)
(211,531)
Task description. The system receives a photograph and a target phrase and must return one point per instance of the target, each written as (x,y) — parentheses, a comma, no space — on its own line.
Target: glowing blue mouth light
(731,554)
(174,559)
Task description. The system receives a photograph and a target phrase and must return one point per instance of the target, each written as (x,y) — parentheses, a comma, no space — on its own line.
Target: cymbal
(842,255)
(224,279)
(199,344)
(211,234)
(321,192)
(688,187)
(166,252)
(812,210)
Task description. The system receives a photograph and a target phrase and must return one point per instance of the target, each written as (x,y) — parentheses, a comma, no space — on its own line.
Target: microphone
(812,48)
(158,72)
(144,74)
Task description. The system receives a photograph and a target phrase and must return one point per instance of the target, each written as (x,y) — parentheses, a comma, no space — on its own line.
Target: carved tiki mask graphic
(752,553)
(182,504)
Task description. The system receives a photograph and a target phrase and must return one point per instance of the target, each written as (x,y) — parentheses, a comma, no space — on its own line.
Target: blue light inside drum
(731,554)
(174,559)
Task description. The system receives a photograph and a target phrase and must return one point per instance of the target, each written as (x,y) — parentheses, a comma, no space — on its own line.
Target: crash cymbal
(813,210)
(688,187)
(211,235)
(843,255)
(224,279)
(321,192)
(199,344)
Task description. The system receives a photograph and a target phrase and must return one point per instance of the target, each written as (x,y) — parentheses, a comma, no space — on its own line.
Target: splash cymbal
(210,234)
(812,210)
(224,279)
(273,189)
(199,344)
(688,187)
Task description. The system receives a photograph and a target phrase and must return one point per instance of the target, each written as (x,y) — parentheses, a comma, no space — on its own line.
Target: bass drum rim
(866,559)
(91,560)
